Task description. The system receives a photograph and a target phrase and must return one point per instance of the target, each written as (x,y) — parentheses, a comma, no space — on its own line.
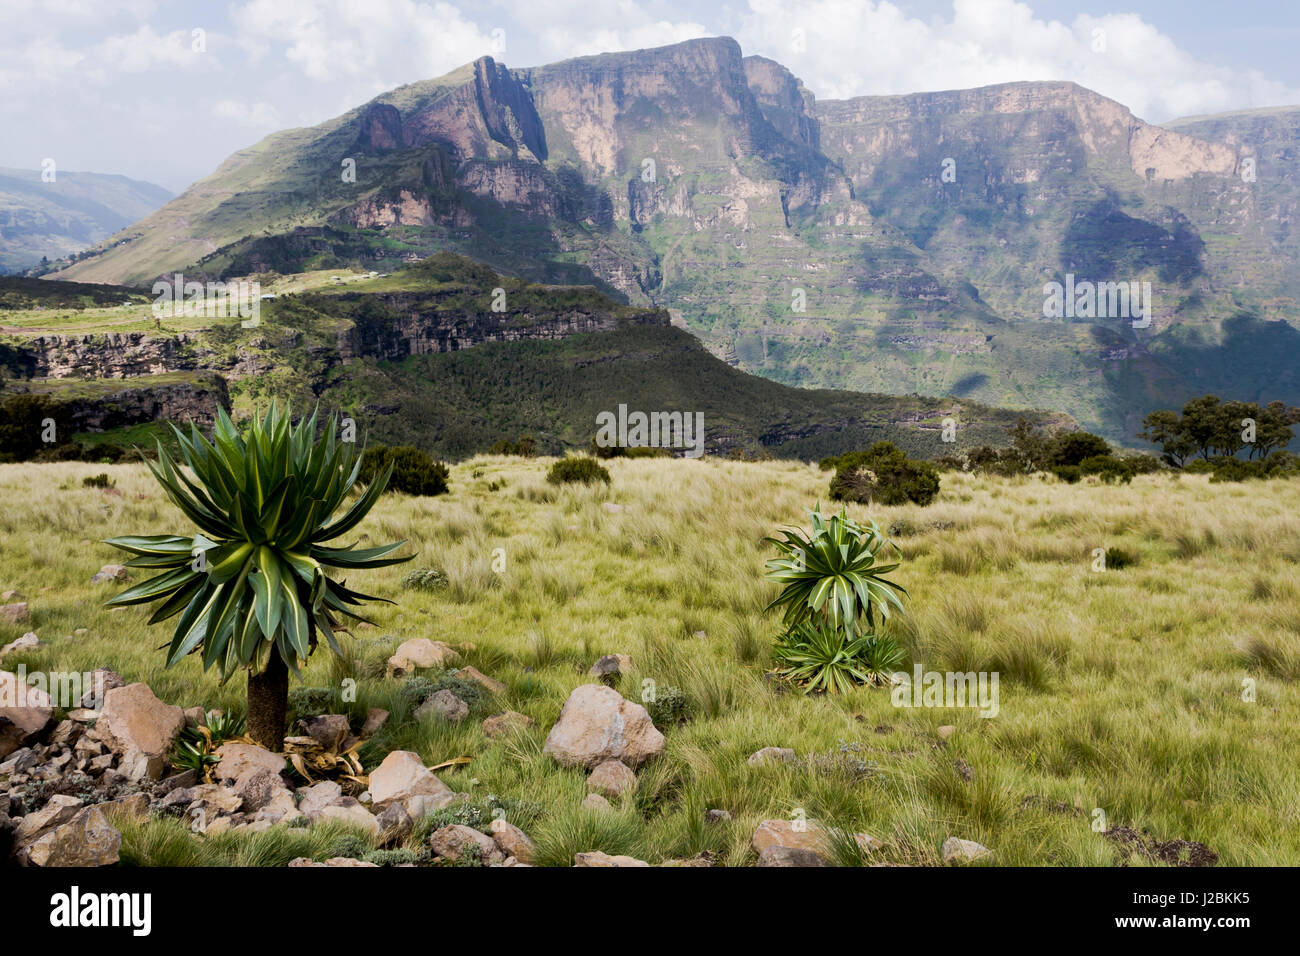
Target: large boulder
(140,729)
(86,840)
(597,724)
(403,778)
(420,652)
(25,713)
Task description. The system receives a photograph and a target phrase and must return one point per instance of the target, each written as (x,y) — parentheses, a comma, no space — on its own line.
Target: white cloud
(856,47)
(257,116)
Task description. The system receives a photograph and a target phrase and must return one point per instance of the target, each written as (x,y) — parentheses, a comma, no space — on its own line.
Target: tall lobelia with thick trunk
(250,585)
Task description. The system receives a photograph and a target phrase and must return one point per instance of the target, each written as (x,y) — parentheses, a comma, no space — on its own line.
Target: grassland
(1121,690)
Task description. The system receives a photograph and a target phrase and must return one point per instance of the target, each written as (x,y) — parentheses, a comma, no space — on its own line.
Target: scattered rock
(717,816)
(12,595)
(802,835)
(444,704)
(597,858)
(595,801)
(236,759)
(318,796)
(87,840)
(111,572)
(787,856)
(512,841)
(946,731)
(328,730)
(332,861)
(140,729)
(348,810)
(420,652)
(611,665)
(134,806)
(478,677)
(598,724)
(102,680)
(771,755)
(451,842)
(498,725)
(963,851)
(375,720)
(58,810)
(403,779)
(25,712)
(14,613)
(27,642)
(395,823)
(611,778)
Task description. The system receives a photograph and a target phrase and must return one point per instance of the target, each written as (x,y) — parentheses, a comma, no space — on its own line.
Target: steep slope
(890,244)
(421,357)
(53,220)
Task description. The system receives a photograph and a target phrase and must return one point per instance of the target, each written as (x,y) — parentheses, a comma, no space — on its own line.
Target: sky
(164,90)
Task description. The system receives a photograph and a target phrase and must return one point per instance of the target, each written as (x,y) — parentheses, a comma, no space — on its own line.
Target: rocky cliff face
(871,243)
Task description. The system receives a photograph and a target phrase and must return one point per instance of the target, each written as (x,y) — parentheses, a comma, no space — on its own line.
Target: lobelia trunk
(268,703)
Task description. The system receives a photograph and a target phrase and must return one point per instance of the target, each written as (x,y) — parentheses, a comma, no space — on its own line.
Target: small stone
(444,704)
(771,755)
(610,507)
(478,677)
(28,642)
(111,572)
(328,730)
(133,806)
(14,613)
(717,816)
(403,778)
(12,595)
(595,801)
(963,851)
(498,725)
(946,731)
(611,778)
(420,652)
(25,712)
(597,858)
(451,843)
(348,810)
(375,719)
(512,841)
(318,796)
(611,665)
(80,632)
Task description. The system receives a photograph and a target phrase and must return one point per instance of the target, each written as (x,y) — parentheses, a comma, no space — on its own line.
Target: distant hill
(59,219)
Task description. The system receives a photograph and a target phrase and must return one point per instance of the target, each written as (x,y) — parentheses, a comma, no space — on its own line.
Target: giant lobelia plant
(833,591)
(251,585)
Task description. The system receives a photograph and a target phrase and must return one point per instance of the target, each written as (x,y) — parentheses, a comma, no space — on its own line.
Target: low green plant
(426,579)
(822,658)
(669,708)
(885,475)
(577,469)
(97,481)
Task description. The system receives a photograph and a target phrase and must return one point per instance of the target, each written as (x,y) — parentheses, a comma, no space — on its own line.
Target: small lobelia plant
(251,585)
(833,592)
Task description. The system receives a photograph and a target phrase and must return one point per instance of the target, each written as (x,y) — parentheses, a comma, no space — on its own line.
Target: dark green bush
(525,447)
(1108,468)
(577,468)
(97,481)
(1067,473)
(885,475)
(414,472)
(1071,448)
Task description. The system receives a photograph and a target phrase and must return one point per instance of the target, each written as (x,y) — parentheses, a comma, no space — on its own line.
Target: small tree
(250,585)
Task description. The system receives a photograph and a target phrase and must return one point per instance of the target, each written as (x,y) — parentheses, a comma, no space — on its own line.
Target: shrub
(310,702)
(1108,468)
(426,579)
(577,469)
(525,447)
(1117,558)
(1071,448)
(1069,474)
(97,481)
(414,472)
(884,474)
(669,707)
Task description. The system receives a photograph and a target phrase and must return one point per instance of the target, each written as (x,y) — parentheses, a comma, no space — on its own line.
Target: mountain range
(899,244)
(54,219)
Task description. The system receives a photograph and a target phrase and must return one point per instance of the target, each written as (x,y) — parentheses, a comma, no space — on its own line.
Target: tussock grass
(1121,691)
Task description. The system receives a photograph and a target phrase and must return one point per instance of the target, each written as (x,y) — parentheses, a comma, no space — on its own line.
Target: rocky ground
(68,776)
